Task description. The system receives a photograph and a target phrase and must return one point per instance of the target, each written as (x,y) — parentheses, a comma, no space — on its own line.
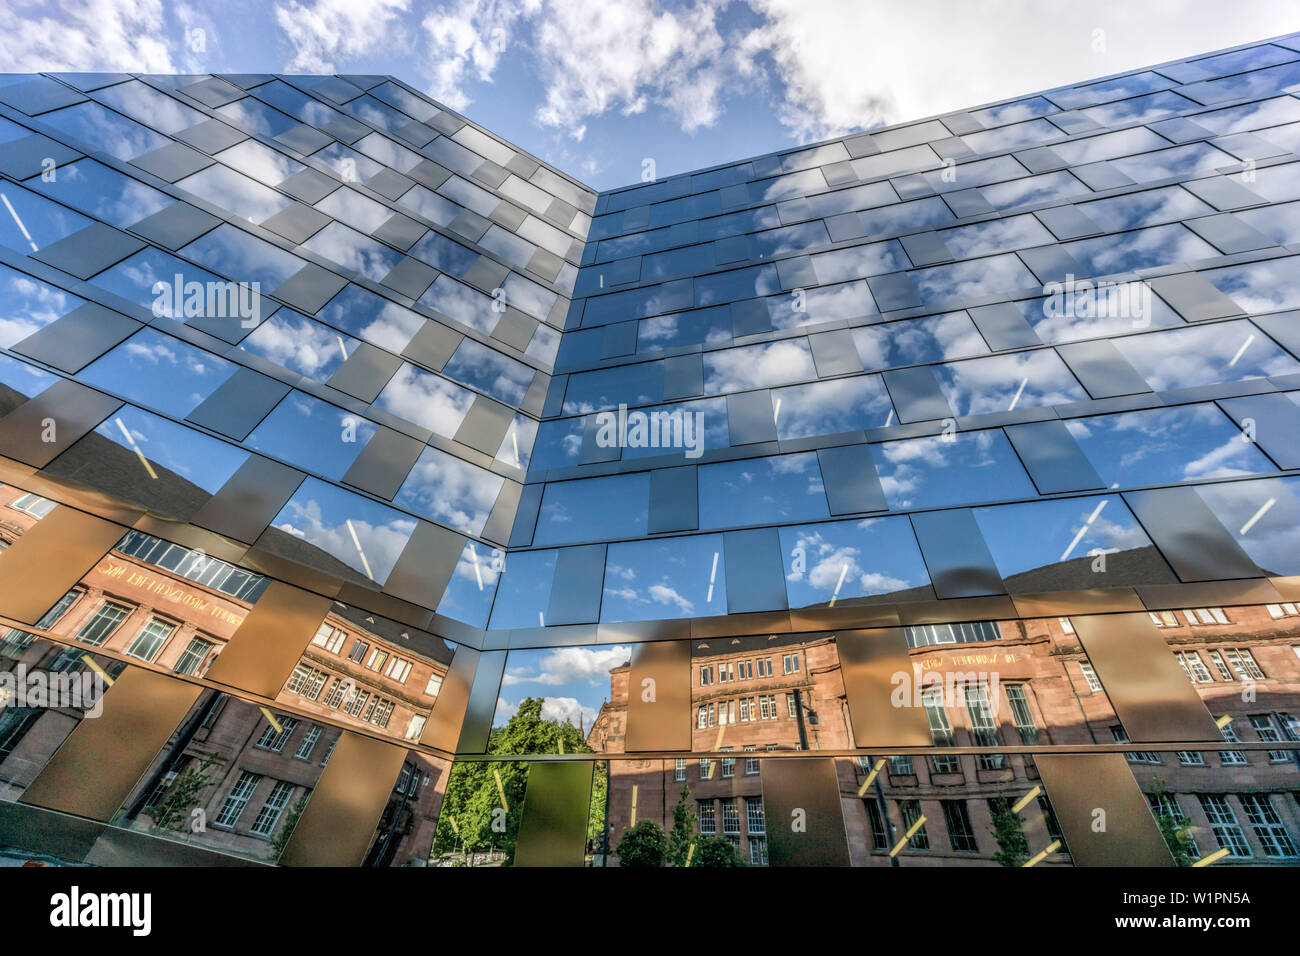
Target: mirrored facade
(374,494)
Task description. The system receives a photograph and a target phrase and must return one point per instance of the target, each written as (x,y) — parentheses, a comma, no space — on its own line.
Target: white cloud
(568,665)
(466,41)
(328,34)
(625,54)
(848,66)
(568,710)
(114,35)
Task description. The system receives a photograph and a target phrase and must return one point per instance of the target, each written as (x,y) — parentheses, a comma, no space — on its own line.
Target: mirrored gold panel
(101,760)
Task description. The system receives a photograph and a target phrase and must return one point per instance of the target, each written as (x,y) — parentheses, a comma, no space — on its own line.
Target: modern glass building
(376,494)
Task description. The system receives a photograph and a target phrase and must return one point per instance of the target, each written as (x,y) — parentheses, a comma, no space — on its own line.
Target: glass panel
(323,525)
(657,580)
(160,372)
(102,192)
(758,491)
(756,366)
(953,469)
(426,399)
(1205,355)
(372,317)
(1070,543)
(1165,445)
(301,345)
(1003,383)
(852,562)
(490,372)
(473,585)
(594,509)
(454,492)
(320,438)
(826,408)
(28,305)
(918,341)
(1264,517)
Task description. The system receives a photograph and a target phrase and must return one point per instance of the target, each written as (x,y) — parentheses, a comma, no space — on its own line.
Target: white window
(1243,664)
(1224,824)
(708,817)
(274,740)
(1134,756)
(34,505)
(789,706)
(377,659)
(195,653)
(1231,758)
(1090,676)
(150,639)
(308,742)
(237,800)
(679,770)
(415,727)
(1194,667)
(790,663)
(751,763)
(330,638)
(398,669)
(103,622)
(434,685)
(754,815)
(703,717)
(730,816)
(269,815)
(728,764)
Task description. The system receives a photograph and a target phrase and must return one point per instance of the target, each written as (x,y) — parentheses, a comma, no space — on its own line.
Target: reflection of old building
(1010,683)
(175,608)
(251,779)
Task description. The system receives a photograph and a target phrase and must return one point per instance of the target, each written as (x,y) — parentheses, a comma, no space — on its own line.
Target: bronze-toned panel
(1064,603)
(442,729)
(659,697)
(884,704)
(263,652)
(39,430)
(1102,812)
(246,503)
(805,822)
(1148,689)
(340,818)
(426,564)
(553,826)
(53,554)
(482,702)
(95,769)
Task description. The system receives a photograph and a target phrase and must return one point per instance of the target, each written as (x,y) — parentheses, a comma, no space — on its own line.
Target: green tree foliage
(173,811)
(1176,830)
(472,798)
(682,834)
(596,812)
(716,851)
(642,845)
(1013,845)
(281,838)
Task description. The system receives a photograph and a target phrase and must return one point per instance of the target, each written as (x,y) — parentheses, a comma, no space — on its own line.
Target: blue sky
(596,87)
